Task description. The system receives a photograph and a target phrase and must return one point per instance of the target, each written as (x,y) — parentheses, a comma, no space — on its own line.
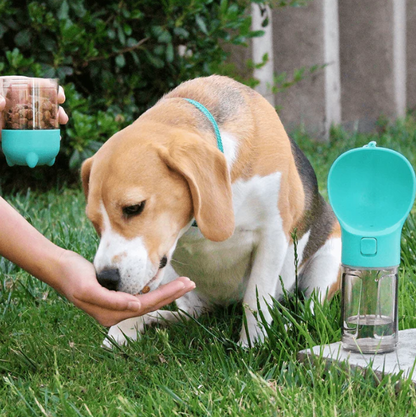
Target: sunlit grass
(52,363)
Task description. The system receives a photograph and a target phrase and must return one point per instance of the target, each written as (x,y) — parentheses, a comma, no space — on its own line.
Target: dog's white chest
(221,269)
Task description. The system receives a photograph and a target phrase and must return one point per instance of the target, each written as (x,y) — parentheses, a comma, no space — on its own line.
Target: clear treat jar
(30,134)
(369,309)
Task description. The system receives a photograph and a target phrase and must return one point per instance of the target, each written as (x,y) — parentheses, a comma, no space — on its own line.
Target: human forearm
(23,245)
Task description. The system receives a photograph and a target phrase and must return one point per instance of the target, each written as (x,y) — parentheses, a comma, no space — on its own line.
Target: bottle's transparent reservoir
(369,309)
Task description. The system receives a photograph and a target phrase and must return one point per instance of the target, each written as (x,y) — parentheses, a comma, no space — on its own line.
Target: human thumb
(2,103)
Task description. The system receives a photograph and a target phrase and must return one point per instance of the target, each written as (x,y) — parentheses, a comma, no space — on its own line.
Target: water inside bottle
(369,334)
(369,310)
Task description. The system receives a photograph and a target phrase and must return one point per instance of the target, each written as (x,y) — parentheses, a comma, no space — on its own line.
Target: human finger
(62,116)
(149,303)
(61,95)
(165,294)
(98,296)
(2,106)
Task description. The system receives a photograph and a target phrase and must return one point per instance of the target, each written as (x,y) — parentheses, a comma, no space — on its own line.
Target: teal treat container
(30,134)
(371,191)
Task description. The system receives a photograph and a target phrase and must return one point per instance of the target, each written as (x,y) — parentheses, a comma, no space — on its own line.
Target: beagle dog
(206,184)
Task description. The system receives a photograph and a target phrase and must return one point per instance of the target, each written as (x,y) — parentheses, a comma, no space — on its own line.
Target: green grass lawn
(51,362)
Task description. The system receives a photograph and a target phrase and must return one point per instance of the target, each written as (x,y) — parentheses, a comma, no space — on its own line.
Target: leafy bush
(116,58)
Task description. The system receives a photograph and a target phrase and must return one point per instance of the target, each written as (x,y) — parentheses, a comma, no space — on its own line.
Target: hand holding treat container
(30,134)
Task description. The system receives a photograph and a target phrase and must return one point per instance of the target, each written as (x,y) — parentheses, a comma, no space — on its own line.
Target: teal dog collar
(211,118)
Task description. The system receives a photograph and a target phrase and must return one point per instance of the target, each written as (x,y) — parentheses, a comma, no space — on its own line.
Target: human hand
(79,285)
(62,116)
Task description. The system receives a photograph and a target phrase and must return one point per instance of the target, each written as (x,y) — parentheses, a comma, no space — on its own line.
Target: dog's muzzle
(110,277)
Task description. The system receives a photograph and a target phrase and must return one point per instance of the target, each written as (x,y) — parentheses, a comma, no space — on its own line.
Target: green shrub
(116,58)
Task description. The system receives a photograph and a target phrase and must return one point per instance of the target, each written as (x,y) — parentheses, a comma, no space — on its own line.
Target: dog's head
(143,188)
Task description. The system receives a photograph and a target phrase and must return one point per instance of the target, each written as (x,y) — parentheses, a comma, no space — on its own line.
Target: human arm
(73,276)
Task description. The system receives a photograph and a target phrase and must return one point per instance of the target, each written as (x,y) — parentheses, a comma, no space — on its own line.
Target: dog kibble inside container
(30,134)
(31,105)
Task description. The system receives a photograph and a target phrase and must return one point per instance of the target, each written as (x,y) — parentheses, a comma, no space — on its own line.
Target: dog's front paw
(250,337)
(252,330)
(127,329)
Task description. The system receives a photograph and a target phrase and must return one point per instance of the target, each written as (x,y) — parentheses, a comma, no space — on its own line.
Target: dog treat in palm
(145,290)
(31,104)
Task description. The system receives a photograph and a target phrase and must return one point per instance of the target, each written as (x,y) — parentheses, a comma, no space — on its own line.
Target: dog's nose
(163,262)
(109,278)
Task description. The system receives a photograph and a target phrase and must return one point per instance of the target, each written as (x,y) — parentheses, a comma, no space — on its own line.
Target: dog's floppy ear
(85,175)
(205,169)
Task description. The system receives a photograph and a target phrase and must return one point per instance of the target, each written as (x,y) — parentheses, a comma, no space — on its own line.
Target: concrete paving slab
(403,359)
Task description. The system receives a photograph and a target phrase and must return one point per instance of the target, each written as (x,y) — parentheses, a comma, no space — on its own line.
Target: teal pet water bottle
(372,191)
(30,134)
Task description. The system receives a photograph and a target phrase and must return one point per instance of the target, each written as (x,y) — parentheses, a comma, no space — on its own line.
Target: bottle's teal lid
(371,191)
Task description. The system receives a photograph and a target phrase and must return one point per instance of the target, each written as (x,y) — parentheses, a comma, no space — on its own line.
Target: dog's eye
(130,211)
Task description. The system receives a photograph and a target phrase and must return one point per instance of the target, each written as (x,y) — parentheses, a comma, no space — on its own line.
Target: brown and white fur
(246,202)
